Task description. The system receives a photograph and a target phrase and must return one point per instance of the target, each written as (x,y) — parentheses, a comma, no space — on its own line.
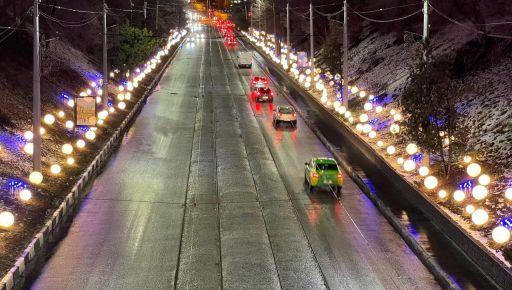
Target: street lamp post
(36,94)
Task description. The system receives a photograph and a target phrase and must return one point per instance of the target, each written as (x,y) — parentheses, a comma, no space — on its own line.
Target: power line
(315,6)
(71,9)
(493,23)
(469,27)
(65,23)
(16,27)
(388,20)
(388,8)
(328,14)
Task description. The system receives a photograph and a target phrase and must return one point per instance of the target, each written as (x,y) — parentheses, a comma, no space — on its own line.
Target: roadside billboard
(302,59)
(85,112)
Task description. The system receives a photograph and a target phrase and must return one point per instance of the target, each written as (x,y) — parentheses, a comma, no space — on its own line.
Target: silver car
(285,114)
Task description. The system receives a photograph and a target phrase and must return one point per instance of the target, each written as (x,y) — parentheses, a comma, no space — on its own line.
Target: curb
(429,262)
(26,263)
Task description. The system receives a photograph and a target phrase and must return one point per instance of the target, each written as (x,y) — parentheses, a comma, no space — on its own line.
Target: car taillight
(340,178)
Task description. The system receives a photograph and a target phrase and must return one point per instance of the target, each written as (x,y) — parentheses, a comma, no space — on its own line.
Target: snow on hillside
(381,64)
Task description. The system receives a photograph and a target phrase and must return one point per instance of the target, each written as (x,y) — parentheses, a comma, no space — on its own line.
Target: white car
(285,114)
(245,59)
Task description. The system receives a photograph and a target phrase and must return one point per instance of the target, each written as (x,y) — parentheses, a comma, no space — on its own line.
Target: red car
(264,95)
(259,82)
(231,40)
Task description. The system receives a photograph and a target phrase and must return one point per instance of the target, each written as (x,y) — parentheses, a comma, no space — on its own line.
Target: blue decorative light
(16,184)
(418,157)
(384,125)
(65,96)
(507,222)
(466,184)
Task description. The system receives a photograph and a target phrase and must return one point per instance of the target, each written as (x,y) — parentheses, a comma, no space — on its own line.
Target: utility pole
(277,43)
(104,87)
(250,19)
(144,10)
(288,48)
(259,15)
(245,10)
(311,36)
(425,29)
(345,55)
(36,94)
(156,18)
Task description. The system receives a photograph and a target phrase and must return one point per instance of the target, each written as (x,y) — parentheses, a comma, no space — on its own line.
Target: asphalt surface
(205,193)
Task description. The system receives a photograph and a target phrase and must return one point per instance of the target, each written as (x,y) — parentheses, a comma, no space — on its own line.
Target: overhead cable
(469,27)
(388,8)
(71,9)
(387,20)
(65,23)
(12,30)
(328,14)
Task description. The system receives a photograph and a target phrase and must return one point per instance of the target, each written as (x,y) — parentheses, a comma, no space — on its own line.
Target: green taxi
(323,172)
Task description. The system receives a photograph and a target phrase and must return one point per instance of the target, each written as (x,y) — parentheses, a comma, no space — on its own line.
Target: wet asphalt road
(205,193)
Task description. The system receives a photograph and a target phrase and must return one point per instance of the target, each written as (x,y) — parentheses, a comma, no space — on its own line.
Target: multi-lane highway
(205,193)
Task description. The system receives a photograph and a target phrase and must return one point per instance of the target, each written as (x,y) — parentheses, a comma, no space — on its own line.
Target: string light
(49,119)
(55,169)
(423,171)
(90,135)
(479,217)
(409,165)
(391,150)
(67,149)
(69,124)
(70,160)
(459,195)
(80,143)
(29,148)
(470,208)
(394,129)
(28,135)
(430,182)
(6,219)
(500,235)
(484,179)
(442,194)
(508,193)
(473,169)
(25,194)
(411,149)
(479,192)
(35,177)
